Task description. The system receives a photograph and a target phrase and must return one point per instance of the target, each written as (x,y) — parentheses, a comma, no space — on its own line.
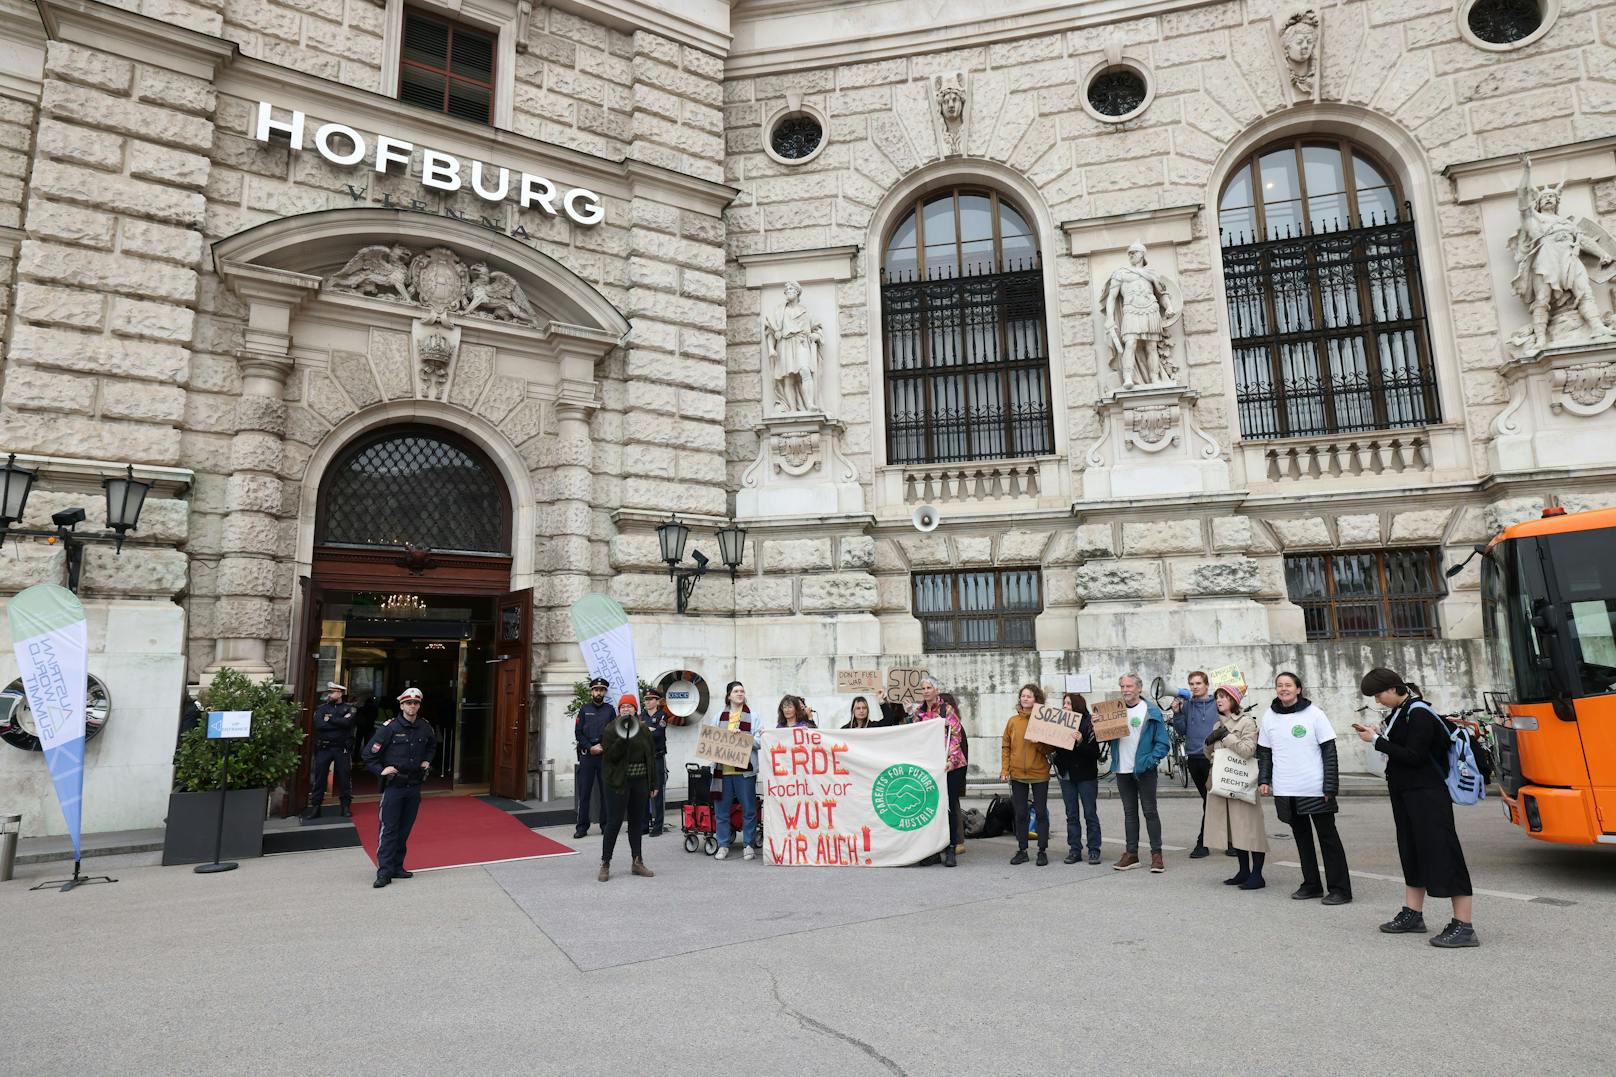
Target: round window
(1118,92)
(17,727)
(1504,22)
(796,137)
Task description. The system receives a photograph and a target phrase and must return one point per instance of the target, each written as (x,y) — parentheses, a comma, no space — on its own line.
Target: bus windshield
(1584,566)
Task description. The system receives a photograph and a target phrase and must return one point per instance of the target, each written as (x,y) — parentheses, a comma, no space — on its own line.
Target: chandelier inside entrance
(402,605)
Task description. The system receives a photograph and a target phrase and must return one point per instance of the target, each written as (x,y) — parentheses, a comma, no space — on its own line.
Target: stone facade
(163,302)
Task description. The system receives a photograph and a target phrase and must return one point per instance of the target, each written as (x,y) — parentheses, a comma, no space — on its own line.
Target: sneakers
(1455,935)
(1156,865)
(748,853)
(948,858)
(1336,897)
(723,853)
(604,873)
(1043,859)
(1406,922)
(1020,857)
(1128,862)
(1199,852)
(641,870)
(1072,857)
(960,849)
(1094,857)
(1307,893)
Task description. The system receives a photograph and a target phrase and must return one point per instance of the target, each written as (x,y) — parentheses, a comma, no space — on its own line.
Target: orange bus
(1549,601)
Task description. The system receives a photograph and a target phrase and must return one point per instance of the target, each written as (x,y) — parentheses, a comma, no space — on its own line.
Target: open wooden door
(302,669)
(513,649)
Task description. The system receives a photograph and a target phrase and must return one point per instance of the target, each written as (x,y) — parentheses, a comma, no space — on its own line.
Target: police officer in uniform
(655,717)
(333,741)
(401,752)
(593,718)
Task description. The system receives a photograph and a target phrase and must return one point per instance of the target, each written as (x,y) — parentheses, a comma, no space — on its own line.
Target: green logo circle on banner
(905,796)
(1298,731)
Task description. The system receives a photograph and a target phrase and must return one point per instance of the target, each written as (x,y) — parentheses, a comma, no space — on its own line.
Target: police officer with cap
(333,741)
(593,718)
(401,752)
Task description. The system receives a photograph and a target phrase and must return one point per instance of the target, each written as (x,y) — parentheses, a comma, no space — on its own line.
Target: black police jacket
(334,724)
(402,744)
(591,723)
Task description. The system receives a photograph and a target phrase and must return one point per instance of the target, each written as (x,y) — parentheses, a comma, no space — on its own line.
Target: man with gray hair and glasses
(1134,758)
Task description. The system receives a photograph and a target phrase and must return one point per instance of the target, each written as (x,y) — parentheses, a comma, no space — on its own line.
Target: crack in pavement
(818,1026)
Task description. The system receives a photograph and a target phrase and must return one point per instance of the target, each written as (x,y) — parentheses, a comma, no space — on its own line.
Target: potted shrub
(257,763)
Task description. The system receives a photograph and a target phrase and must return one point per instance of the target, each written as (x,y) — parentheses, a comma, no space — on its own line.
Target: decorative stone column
(251,541)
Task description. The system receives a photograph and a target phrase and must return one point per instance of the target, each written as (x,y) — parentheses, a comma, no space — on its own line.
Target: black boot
(1406,922)
(314,812)
(948,857)
(347,810)
(1255,881)
(1245,870)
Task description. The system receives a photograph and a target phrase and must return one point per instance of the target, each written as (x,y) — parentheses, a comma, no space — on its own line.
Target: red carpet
(455,831)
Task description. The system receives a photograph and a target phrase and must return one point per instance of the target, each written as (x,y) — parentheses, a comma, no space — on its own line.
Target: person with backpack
(1417,744)
(1297,765)
(1025,765)
(1079,771)
(1236,824)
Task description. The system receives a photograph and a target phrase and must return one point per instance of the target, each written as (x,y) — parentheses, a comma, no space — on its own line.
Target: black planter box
(193,823)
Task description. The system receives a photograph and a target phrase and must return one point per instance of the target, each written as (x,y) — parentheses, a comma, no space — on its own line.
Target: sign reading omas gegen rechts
(347,148)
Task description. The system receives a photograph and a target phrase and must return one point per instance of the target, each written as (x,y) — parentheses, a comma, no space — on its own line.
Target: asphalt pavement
(295,964)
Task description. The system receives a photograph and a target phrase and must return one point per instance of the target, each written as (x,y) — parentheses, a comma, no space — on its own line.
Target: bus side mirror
(1454,570)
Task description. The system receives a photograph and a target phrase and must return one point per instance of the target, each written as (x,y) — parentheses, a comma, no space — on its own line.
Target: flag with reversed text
(52,644)
(607,643)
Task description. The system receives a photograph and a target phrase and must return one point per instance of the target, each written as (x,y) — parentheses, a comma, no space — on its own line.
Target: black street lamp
(126,496)
(671,537)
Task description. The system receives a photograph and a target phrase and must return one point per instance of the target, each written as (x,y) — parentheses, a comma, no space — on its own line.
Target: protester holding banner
(1134,759)
(1079,771)
(934,707)
(735,783)
(1298,767)
(793,711)
(592,719)
(1194,718)
(627,765)
(1235,823)
(1025,765)
(656,720)
(892,713)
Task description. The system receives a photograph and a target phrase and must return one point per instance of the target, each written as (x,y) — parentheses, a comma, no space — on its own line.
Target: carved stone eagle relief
(437,279)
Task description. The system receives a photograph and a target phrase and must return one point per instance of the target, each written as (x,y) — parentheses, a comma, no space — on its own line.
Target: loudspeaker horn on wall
(926,518)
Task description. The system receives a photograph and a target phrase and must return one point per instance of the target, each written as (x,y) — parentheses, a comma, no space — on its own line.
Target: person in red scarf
(933,706)
(735,783)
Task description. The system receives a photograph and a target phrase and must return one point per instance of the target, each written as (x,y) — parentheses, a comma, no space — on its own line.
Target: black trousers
(1200,771)
(400,803)
(1040,801)
(630,803)
(659,801)
(1428,844)
(1336,877)
(326,757)
(588,779)
(956,790)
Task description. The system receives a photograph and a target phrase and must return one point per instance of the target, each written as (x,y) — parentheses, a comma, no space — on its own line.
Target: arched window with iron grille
(1327,314)
(415,486)
(964,338)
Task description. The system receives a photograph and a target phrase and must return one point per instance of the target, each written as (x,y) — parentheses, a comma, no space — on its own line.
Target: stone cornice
(1489,177)
(703,24)
(780,36)
(1174,224)
(79,475)
(101,26)
(777,267)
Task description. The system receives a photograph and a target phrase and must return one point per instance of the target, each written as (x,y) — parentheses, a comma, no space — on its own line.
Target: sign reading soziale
(345,147)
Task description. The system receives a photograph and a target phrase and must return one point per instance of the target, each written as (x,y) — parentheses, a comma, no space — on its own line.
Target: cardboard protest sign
(1226,675)
(1110,719)
(716,744)
(903,685)
(1051,725)
(853,797)
(853,681)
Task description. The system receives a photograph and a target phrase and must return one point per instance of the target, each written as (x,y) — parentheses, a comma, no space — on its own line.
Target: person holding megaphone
(627,765)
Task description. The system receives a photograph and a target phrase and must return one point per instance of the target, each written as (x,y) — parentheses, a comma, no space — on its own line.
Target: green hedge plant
(263,760)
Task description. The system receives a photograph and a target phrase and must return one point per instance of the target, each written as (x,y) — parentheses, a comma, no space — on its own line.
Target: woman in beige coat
(1237,823)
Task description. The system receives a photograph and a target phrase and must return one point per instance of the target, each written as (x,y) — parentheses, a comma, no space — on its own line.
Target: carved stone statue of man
(791,337)
(1138,307)
(1550,276)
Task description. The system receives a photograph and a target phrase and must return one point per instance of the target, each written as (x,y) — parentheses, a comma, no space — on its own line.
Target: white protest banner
(853,797)
(718,744)
(51,640)
(608,644)
(1051,725)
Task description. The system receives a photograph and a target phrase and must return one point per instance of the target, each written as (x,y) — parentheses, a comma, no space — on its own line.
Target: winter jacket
(625,758)
(591,720)
(1081,763)
(1024,760)
(1416,747)
(1195,721)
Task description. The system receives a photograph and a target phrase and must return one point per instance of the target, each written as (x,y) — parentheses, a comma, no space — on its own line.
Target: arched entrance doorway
(410,588)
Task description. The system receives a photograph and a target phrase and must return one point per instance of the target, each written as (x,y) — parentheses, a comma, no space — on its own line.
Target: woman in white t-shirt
(1297,765)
